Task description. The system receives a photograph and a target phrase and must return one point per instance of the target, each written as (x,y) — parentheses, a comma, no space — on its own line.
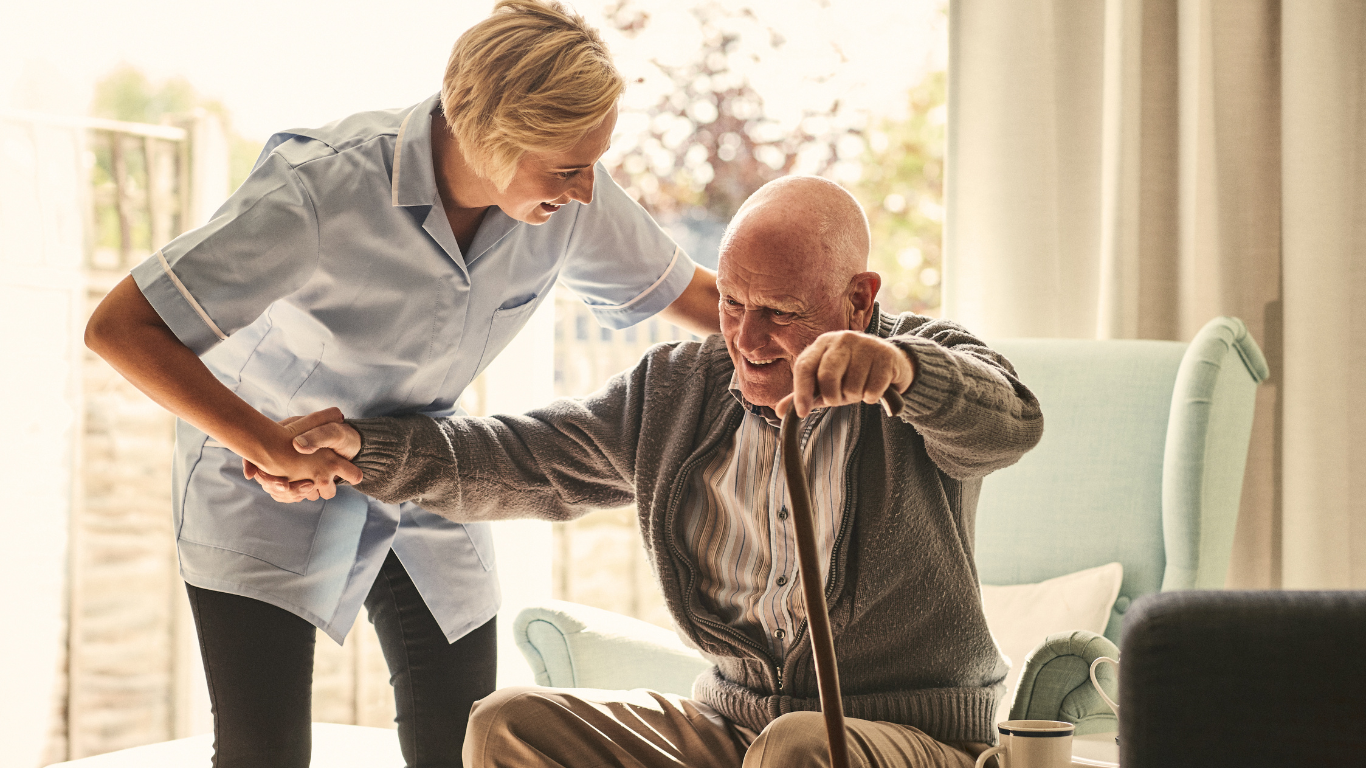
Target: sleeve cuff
(177,308)
(383,443)
(935,376)
(652,300)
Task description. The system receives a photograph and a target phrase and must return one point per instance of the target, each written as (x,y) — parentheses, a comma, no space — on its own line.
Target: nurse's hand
(313,462)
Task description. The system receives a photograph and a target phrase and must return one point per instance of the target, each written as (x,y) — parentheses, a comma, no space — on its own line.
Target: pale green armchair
(1141,462)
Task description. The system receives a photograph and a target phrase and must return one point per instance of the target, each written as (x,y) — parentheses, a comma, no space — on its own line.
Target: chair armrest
(568,645)
(1056,683)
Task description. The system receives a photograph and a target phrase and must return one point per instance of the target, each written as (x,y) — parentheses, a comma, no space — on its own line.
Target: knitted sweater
(905,603)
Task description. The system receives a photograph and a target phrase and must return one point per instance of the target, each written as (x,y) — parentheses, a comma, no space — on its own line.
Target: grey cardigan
(905,604)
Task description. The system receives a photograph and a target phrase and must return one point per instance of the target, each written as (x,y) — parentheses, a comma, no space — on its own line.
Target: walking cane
(817,616)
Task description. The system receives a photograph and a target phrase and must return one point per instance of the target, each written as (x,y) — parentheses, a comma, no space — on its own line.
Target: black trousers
(258,660)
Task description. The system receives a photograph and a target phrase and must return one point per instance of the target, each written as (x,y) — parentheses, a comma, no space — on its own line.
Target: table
(1095,750)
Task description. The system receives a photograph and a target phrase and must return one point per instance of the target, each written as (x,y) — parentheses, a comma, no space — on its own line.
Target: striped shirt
(738,526)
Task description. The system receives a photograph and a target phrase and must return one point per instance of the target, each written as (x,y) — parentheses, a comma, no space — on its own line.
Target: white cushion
(1020,616)
(334,746)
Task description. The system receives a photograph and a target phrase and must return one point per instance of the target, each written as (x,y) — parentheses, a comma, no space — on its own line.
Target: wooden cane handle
(892,402)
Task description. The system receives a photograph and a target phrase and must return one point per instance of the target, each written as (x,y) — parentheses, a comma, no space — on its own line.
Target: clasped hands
(838,368)
(323,442)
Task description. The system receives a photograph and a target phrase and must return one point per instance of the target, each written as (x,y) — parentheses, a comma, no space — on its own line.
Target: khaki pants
(587,728)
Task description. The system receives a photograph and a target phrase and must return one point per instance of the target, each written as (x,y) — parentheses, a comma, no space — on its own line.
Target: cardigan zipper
(674,498)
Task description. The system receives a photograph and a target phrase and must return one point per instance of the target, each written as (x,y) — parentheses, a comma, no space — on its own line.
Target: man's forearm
(975,416)
(475,470)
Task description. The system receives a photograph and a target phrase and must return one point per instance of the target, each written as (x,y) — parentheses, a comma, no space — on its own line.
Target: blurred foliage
(126,94)
(709,144)
(902,189)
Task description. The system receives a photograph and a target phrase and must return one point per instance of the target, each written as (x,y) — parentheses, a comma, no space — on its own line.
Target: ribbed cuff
(384,442)
(936,377)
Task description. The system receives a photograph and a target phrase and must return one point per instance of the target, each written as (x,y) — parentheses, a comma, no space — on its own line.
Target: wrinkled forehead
(787,258)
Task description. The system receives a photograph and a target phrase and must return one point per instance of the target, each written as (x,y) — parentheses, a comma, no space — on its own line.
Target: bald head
(823,226)
(793,266)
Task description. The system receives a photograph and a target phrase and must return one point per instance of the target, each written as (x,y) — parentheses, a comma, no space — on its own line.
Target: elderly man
(690,435)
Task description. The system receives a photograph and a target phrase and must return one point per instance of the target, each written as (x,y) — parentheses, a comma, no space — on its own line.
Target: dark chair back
(1234,678)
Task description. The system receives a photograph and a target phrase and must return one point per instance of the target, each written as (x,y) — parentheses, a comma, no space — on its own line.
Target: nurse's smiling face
(545,181)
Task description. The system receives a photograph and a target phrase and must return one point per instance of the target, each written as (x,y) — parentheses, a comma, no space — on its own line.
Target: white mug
(1032,744)
(1096,683)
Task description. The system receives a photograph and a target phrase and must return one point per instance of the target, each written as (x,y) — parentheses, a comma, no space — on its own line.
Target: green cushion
(1091,492)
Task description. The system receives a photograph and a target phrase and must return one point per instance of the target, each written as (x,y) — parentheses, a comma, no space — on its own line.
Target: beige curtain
(1132,168)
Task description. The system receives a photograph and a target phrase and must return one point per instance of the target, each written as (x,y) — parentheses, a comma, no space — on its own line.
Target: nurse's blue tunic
(331,277)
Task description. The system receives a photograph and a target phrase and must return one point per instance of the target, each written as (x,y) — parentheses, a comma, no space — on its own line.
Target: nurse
(378,263)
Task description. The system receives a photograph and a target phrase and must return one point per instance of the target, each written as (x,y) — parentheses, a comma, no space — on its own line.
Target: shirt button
(782,581)
(779,634)
(782,513)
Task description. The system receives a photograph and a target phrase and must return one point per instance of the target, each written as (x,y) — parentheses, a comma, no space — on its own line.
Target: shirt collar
(763,411)
(414,178)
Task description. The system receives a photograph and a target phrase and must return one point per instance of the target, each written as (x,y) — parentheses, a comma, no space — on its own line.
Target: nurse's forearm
(697,309)
(129,334)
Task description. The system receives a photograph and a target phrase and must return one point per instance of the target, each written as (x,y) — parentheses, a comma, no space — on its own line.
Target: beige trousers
(587,728)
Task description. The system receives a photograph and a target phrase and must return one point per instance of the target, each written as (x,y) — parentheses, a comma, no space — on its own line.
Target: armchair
(1141,462)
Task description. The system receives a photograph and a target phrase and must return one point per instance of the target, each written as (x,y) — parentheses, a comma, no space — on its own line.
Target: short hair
(533,76)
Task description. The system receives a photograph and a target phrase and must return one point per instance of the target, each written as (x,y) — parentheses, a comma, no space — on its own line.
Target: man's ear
(863,289)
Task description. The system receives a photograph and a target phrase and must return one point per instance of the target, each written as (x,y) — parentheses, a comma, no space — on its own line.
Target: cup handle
(1096,683)
(982,758)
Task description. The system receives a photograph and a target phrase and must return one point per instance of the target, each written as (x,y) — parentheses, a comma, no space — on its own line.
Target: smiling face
(784,280)
(545,181)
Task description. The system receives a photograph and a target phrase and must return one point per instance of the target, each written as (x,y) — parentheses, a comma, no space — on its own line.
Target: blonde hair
(533,76)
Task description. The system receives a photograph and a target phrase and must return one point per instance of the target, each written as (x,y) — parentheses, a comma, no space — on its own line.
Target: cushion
(1020,616)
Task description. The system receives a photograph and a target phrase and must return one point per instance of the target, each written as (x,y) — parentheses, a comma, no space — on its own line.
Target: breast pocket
(275,372)
(221,509)
(507,321)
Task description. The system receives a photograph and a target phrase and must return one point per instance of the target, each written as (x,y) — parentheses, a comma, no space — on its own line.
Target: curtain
(1132,168)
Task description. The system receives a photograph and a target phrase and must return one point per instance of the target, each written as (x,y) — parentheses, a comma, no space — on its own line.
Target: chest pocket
(505,325)
(275,372)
